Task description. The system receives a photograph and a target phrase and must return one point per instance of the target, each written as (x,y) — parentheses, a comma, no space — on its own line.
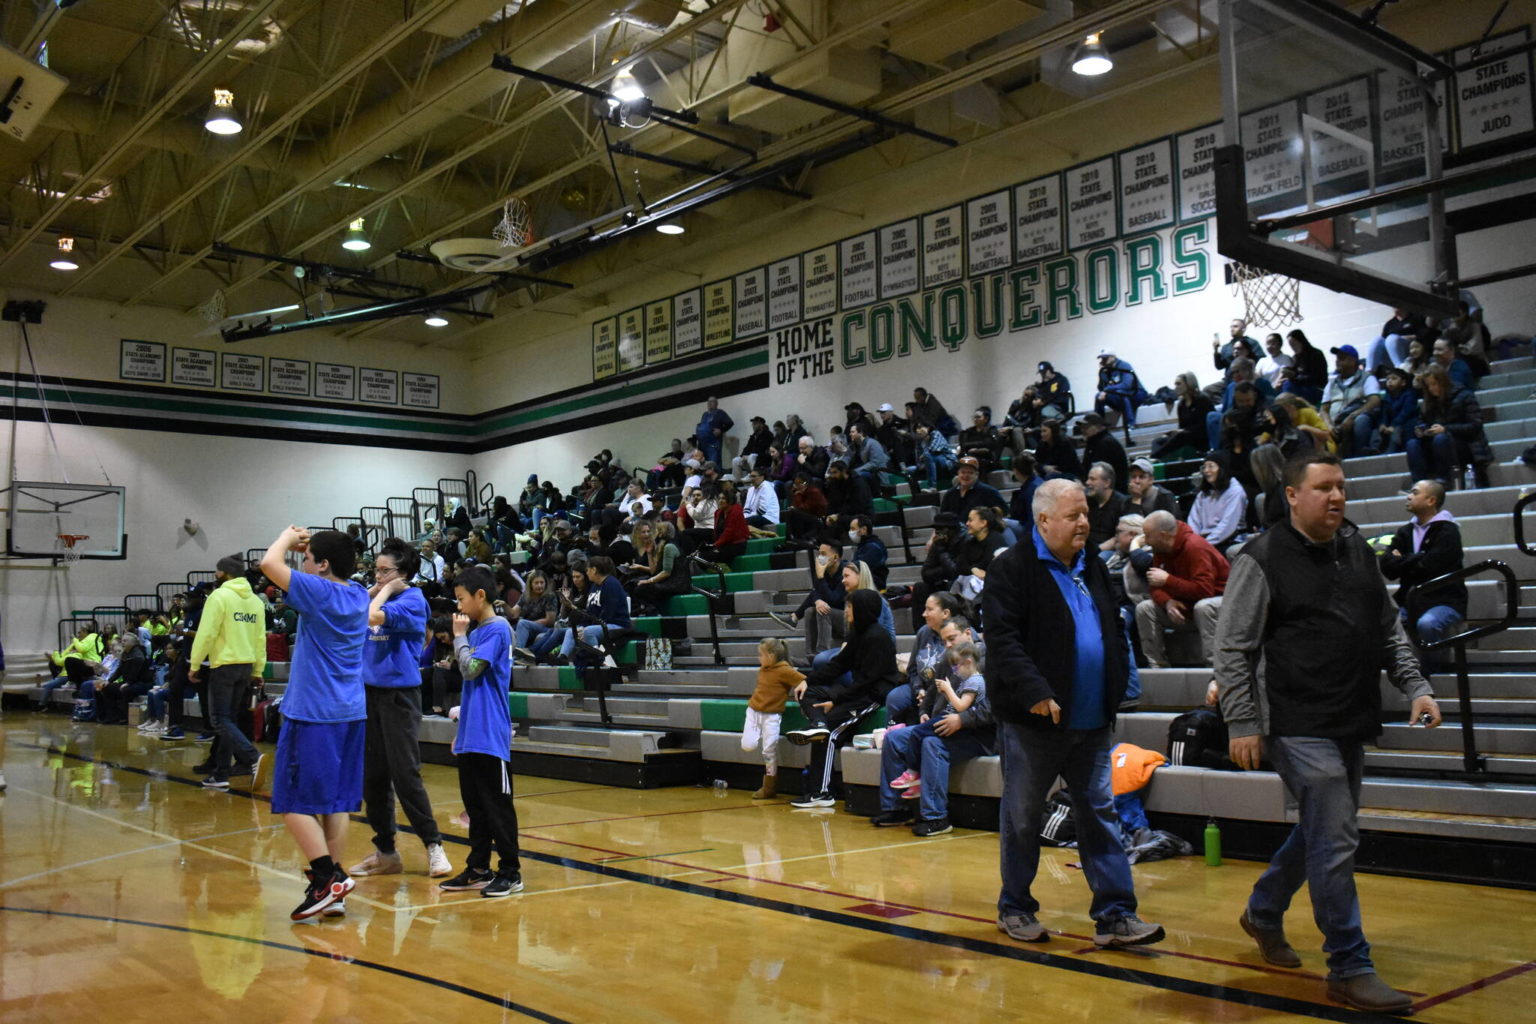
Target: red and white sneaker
(320,895)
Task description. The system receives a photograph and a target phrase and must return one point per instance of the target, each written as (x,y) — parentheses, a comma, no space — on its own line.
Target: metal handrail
(1471,760)
(1525,501)
(711,598)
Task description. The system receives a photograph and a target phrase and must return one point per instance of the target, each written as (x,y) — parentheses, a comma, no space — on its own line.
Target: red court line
(1473,986)
(1263,968)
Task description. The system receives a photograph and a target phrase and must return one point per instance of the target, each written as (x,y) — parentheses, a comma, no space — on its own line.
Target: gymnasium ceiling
(390,110)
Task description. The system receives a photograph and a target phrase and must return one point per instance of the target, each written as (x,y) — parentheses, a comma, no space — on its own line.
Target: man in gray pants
(397,629)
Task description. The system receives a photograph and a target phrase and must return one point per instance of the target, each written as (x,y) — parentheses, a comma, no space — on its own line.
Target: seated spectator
(77,662)
(731,533)
(1056,455)
(1241,402)
(907,746)
(1122,575)
(1271,366)
(760,504)
(477,549)
(284,620)
(635,502)
(811,459)
(983,542)
(667,574)
(1399,412)
(866,456)
(926,657)
(1444,353)
(940,567)
(868,549)
(607,610)
(457,517)
(969,492)
(575,588)
(669,470)
(1417,361)
(935,456)
(1105,507)
(832,707)
(1471,338)
(1352,401)
(1053,394)
(1277,429)
(1449,436)
(837,445)
(1425,547)
(754,451)
(1144,495)
(847,495)
(1187,578)
(1268,465)
(981,440)
(1306,419)
(504,524)
(1391,346)
(129,680)
(822,608)
(1308,373)
(1223,352)
(894,435)
(533,615)
(1021,425)
(930,410)
(1020,521)
(1221,505)
(781,470)
(788,440)
(1099,445)
(698,518)
(1120,392)
(807,511)
(631,555)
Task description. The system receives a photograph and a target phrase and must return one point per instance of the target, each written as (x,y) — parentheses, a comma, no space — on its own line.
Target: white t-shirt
(1269,367)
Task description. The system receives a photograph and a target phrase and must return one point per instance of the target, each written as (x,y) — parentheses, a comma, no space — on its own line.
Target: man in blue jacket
(712,428)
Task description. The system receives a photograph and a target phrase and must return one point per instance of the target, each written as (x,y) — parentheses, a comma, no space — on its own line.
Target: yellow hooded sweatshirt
(233,628)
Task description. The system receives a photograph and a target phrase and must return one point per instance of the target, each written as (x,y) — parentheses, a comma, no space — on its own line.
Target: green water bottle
(1212,843)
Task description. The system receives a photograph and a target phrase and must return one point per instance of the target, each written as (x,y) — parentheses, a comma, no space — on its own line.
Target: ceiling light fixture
(1091,58)
(356,241)
(65,259)
(625,89)
(670,228)
(435,319)
(221,118)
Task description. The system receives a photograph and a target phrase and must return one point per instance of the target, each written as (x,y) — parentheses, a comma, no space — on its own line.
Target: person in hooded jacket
(833,707)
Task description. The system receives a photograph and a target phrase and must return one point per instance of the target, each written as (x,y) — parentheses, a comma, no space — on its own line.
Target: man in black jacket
(1427,546)
(1100,445)
(1058,665)
(1305,632)
(832,708)
(969,491)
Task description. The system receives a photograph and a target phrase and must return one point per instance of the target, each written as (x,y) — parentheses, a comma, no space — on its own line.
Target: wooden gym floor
(128,893)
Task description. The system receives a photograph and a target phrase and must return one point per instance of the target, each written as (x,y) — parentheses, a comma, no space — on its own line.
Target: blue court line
(372,965)
(1092,968)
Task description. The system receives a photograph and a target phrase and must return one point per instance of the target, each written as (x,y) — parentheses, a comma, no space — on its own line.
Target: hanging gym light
(1091,58)
(356,241)
(435,319)
(65,260)
(221,118)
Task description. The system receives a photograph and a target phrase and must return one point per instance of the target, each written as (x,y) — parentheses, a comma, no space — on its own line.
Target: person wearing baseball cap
(1053,394)
(1352,403)
(895,436)
(1120,391)
(1145,497)
(970,492)
(754,452)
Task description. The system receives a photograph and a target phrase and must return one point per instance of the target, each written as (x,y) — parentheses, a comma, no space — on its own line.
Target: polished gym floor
(129,893)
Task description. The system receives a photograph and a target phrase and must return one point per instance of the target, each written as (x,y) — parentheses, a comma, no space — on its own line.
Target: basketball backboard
(39,514)
(1330,166)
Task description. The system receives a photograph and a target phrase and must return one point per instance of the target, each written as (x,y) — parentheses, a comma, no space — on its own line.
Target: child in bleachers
(776,677)
(947,699)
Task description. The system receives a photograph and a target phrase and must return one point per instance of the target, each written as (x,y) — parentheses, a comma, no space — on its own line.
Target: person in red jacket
(1187,578)
(731,532)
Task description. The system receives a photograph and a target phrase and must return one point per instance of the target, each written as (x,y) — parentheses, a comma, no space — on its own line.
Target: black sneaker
(204,768)
(320,895)
(787,621)
(932,827)
(503,885)
(214,782)
(243,767)
(469,878)
(890,819)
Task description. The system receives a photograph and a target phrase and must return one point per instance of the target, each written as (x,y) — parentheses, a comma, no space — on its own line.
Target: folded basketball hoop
(1269,299)
(68,549)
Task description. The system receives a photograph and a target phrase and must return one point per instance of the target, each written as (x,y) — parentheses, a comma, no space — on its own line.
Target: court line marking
(521,897)
(340,958)
(1475,986)
(114,856)
(1169,982)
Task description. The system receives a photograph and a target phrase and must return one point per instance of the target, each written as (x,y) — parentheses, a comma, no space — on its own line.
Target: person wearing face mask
(869,549)
(822,609)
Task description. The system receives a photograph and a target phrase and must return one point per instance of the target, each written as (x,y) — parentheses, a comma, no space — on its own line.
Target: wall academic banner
(420,390)
(379,387)
(335,380)
(194,367)
(1197,172)
(141,360)
(900,266)
(943,247)
(687,323)
(988,233)
(859,280)
(719,313)
(820,275)
(240,373)
(288,376)
(784,293)
(1090,201)
(658,332)
(1037,218)
(751,303)
(1147,196)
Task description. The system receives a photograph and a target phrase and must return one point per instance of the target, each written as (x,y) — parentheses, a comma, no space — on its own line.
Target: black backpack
(1198,739)
(1056,825)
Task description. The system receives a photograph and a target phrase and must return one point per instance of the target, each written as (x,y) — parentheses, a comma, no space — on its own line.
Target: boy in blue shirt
(317,777)
(484,742)
(397,631)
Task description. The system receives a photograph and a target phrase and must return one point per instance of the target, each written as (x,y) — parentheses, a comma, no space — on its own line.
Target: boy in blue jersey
(484,742)
(317,777)
(397,629)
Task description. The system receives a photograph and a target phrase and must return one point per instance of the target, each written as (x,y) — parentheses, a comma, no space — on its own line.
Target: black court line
(351,961)
(1092,968)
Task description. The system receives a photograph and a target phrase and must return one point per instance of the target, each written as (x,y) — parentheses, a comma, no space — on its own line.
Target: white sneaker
(377,863)
(437,862)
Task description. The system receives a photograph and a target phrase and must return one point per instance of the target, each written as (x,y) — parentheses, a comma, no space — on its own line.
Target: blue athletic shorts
(319,768)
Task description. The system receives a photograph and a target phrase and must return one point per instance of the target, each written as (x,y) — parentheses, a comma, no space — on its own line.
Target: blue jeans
(929,755)
(846,679)
(1324,777)
(897,703)
(551,639)
(1132,684)
(156,701)
(1032,758)
(1122,404)
(1434,624)
(592,635)
(1433,457)
(1386,352)
(529,630)
(934,466)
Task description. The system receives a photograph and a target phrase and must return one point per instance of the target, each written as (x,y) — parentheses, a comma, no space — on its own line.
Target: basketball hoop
(516,228)
(67,550)
(1269,299)
(213,311)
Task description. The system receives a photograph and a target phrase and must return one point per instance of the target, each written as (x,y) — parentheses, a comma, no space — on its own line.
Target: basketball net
(68,549)
(214,310)
(1269,299)
(516,228)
